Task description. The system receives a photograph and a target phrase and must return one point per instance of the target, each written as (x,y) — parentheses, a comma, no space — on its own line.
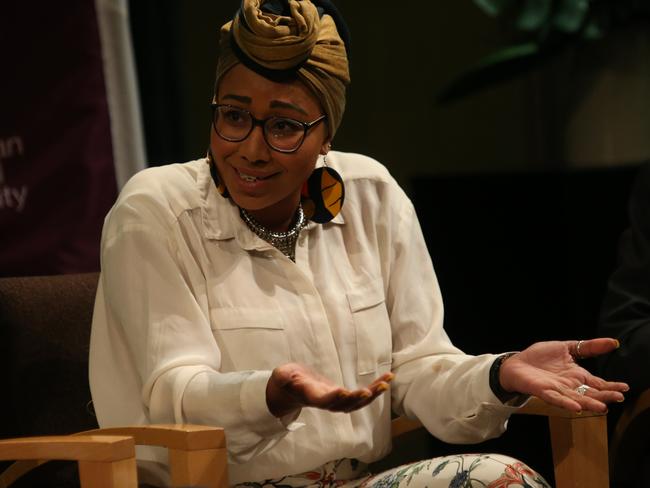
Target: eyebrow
(291,106)
(238,98)
(273,104)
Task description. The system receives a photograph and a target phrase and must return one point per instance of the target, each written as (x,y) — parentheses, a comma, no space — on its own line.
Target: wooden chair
(197,454)
(104,461)
(630,441)
(578,443)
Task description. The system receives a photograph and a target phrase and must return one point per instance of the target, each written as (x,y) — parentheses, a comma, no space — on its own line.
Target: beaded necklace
(285,242)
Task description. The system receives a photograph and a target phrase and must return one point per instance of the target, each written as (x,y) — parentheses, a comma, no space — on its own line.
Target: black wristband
(495,384)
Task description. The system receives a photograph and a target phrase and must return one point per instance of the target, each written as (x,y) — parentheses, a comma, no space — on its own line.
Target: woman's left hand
(549,371)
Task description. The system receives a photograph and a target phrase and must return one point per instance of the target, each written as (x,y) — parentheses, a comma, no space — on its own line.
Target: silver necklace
(285,242)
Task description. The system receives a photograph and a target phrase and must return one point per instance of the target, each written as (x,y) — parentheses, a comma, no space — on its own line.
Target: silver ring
(578,345)
(582,389)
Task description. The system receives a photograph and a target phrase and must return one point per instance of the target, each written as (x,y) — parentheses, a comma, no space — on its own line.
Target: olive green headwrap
(284,39)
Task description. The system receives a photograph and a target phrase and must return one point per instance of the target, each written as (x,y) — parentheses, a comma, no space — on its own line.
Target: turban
(289,39)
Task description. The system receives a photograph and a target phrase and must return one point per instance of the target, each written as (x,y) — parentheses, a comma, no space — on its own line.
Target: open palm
(293,386)
(549,371)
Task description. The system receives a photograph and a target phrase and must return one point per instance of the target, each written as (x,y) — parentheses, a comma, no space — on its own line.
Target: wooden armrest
(578,443)
(402,425)
(83,448)
(188,437)
(104,461)
(534,406)
(197,453)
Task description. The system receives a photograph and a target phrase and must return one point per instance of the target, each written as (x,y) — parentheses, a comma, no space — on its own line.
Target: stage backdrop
(70,131)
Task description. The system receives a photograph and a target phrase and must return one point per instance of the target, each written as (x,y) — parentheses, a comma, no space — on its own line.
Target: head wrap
(289,39)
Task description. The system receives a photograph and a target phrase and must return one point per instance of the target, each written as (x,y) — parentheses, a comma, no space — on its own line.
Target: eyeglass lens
(234,124)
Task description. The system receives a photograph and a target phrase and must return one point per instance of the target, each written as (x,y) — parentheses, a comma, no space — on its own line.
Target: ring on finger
(578,355)
(582,389)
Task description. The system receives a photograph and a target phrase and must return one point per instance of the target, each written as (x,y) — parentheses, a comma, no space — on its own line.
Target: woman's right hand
(293,386)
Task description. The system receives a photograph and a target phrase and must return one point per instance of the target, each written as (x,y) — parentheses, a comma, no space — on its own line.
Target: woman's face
(278,177)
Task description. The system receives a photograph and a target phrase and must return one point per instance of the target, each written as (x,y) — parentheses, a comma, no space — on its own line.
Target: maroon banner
(57,178)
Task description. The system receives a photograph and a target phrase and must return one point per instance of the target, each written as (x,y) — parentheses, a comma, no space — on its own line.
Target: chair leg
(206,468)
(580,451)
(108,474)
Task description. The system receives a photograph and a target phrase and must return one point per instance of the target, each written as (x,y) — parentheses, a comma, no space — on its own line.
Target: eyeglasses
(282,134)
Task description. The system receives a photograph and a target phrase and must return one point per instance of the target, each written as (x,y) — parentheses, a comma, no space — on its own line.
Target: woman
(276,288)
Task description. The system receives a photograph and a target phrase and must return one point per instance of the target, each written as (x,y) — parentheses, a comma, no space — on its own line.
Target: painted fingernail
(382,387)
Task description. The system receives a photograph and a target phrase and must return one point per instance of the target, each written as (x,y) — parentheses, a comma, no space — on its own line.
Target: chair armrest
(534,406)
(189,437)
(197,454)
(104,461)
(402,425)
(83,448)
(578,443)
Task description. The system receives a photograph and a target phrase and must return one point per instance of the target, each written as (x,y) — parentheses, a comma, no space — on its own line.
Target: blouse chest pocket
(372,327)
(249,339)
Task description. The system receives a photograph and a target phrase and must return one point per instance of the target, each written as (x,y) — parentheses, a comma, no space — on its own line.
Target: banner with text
(57,144)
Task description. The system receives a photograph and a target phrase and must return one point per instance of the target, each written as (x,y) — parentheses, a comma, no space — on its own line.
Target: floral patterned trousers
(458,471)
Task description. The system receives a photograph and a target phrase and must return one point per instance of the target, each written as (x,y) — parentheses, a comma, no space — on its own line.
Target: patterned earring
(323,194)
(221,188)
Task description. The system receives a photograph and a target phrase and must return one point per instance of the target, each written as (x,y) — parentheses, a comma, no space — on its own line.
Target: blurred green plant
(540,29)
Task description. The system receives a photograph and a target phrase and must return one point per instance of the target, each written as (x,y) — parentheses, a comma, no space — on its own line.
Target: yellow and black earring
(323,194)
(221,188)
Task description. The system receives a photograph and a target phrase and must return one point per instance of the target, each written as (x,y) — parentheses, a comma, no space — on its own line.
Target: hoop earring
(323,194)
(221,188)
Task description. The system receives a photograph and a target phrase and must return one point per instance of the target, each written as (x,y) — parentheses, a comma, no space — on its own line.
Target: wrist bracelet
(495,383)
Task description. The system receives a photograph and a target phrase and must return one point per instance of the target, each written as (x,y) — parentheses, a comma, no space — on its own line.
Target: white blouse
(194,311)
